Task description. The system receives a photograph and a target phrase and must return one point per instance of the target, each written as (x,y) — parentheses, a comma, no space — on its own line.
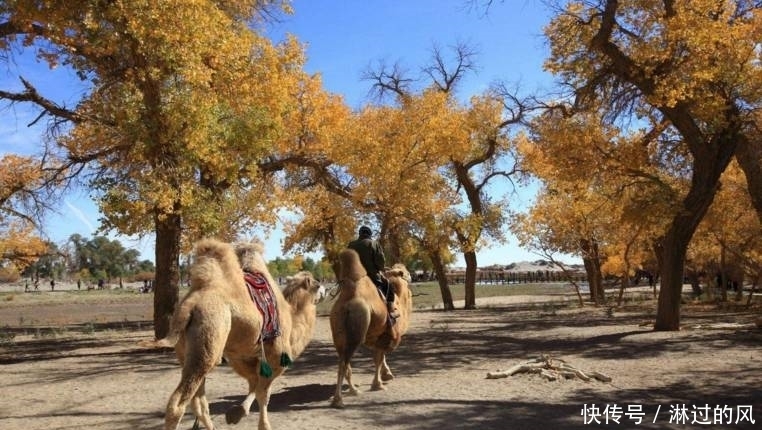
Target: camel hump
(213,248)
(250,256)
(213,255)
(350,266)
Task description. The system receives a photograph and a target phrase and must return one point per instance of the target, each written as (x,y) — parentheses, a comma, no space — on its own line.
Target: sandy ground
(94,376)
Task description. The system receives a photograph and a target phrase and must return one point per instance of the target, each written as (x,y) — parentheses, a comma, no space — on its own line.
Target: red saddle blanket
(262,295)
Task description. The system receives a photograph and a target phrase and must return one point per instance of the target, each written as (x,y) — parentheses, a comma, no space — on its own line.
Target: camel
(217,318)
(360,316)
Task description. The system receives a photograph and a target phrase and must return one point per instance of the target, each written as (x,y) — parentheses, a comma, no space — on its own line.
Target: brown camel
(218,318)
(360,317)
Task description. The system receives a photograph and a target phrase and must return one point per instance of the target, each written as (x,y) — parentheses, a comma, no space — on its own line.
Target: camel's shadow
(289,398)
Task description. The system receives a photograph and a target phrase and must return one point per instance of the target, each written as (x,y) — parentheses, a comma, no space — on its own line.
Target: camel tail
(356,323)
(180,320)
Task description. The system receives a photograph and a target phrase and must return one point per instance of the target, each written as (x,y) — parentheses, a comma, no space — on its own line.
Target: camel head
(399,270)
(250,255)
(304,282)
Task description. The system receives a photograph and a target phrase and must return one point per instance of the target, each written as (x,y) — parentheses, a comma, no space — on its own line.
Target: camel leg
(200,406)
(189,383)
(352,387)
(197,355)
(262,394)
(386,372)
(234,414)
(378,362)
(337,401)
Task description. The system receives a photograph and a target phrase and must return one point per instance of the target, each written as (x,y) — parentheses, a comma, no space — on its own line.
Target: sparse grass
(549,309)
(426,295)
(442,326)
(6,336)
(88,328)
(74,297)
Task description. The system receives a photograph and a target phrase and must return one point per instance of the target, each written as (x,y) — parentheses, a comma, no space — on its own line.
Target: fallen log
(550,369)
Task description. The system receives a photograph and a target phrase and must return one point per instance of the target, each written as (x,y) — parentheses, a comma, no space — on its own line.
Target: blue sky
(342,39)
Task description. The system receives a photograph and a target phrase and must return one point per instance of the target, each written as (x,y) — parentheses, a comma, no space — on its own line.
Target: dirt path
(101,380)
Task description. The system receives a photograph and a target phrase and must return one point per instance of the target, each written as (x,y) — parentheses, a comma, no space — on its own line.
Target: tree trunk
(673,247)
(722,276)
(470,287)
(693,277)
(749,156)
(167,285)
(393,248)
(592,263)
(444,287)
(625,284)
(672,265)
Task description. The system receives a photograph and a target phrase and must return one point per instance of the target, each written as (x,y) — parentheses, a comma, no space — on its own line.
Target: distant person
(79,284)
(52,285)
(100,284)
(373,260)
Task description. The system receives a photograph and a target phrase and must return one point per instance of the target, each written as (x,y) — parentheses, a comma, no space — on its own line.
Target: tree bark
(592,263)
(723,276)
(393,247)
(167,284)
(673,247)
(673,259)
(749,156)
(444,287)
(470,287)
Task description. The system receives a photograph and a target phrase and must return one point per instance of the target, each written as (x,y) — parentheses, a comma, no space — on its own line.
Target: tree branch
(30,94)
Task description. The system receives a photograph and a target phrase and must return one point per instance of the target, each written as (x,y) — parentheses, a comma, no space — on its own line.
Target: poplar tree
(691,65)
(185,99)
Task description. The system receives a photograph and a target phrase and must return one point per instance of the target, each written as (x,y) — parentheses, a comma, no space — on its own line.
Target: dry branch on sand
(549,368)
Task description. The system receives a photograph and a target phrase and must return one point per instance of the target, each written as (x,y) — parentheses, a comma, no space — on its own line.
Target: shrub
(9,274)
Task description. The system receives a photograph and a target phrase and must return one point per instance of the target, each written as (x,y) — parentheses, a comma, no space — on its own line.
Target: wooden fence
(495,277)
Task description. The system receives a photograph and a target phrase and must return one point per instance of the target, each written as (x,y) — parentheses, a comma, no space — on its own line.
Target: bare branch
(30,94)
(320,169)
(446,77)
(388,80)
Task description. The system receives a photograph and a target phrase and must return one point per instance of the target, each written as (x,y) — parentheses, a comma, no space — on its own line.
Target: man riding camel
(373,260)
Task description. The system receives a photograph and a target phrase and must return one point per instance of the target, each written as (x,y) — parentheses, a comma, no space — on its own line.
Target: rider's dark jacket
(371,256)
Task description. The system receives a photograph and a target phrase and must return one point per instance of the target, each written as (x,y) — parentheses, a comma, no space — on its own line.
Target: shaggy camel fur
(359,317)
(218,318)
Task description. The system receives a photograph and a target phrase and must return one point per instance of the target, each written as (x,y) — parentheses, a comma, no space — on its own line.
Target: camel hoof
(352,390)
(234,414)
(377,387)
(337,403)
(387,377)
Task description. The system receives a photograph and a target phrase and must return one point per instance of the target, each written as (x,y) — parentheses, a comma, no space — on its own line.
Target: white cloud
(80,216)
